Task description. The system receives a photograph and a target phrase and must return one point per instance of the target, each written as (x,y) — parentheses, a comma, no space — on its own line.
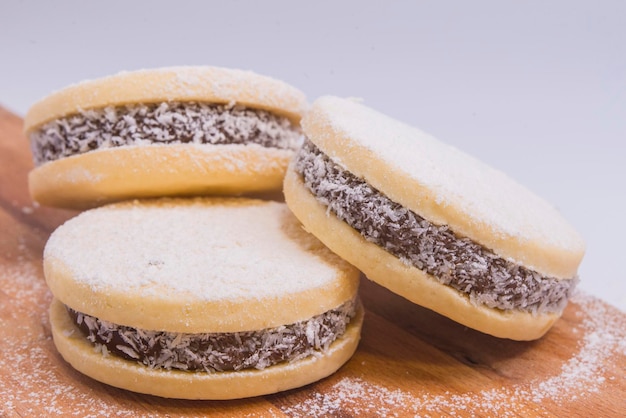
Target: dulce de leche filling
(453,260)
(161,123)
(215,352)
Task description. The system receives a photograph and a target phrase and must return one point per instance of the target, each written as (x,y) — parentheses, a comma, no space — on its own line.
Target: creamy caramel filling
(161,123)
(453,260)
(215,352)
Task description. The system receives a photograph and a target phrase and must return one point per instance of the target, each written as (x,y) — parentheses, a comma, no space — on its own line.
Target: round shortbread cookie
(229,273)
(432,223)
(213,130)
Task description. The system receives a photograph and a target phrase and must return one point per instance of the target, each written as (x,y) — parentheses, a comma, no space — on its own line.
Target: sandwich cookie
(162,132)
(431,223)
(199,298)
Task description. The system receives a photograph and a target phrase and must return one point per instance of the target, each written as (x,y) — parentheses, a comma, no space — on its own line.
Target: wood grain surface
(410,361)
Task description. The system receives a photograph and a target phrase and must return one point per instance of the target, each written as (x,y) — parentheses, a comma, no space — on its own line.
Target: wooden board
(410,361)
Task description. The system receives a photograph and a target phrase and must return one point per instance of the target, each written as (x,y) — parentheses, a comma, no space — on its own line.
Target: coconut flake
(161,123)
(213,352)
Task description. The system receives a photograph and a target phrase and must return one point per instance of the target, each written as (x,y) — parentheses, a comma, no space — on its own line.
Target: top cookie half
(162,132)
(195,265)
(446,186)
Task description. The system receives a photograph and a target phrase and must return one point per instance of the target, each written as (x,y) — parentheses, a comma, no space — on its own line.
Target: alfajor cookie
(162,132)
(432,223)
(232,299)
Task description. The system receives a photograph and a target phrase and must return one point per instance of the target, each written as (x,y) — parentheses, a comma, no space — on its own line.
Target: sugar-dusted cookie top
(445,185)
(197,264)
(171,84)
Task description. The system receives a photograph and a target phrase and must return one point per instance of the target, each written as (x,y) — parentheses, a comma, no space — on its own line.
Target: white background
(535,88)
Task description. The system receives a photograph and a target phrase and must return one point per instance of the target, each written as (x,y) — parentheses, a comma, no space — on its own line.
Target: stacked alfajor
(177,131)
(432,223)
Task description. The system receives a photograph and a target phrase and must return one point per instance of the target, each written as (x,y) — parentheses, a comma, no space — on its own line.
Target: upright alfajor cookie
(431,223)
(200,298)
(162,132)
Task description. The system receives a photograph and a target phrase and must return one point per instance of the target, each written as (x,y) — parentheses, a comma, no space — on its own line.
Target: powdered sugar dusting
(196,83)
(486,195)
(207,250)
(232,83)
(27,350)
(585,373)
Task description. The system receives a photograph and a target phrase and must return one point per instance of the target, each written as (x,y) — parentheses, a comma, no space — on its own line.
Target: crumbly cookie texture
(455,261)
(161,123)
(215,352)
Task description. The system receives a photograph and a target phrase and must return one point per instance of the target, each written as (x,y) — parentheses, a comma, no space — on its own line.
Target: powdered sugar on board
(40,382)
(27,349)
(602,341)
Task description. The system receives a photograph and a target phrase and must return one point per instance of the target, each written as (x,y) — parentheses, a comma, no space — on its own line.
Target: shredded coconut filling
(161,123)
(216,352)
(455,261)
